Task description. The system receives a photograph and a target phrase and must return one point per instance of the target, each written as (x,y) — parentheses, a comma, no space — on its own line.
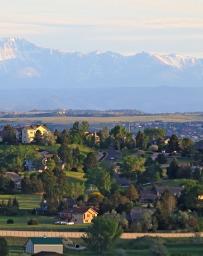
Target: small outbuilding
(37,245)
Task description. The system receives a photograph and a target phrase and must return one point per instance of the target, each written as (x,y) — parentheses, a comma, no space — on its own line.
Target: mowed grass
(26,202)
(84,149)
(178,247)
(75,176)
(45,223)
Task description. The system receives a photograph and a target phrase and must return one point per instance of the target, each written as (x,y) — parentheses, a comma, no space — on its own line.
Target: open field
(180,247)
(26,202)
(45,223)
(139,118)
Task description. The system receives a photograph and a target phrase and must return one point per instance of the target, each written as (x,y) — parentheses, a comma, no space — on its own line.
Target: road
(26,234)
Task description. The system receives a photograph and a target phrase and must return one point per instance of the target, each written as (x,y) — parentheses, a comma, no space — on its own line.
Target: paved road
(9,233)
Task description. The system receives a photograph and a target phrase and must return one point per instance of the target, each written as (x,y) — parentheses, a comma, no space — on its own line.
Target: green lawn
(82,148)
(26,202)
(177,247)
(45,223)
(76,176)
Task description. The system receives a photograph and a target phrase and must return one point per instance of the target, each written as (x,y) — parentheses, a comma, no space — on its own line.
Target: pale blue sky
(126,26)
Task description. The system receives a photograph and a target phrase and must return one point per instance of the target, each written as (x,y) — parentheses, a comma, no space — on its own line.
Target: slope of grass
(26,202)
(45,223)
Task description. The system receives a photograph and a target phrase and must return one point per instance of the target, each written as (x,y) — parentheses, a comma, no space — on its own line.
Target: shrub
(32,222)
(10,221)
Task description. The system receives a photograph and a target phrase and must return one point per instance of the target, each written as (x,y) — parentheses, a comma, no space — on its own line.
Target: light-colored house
(44,244)
(27,134)
(93,136)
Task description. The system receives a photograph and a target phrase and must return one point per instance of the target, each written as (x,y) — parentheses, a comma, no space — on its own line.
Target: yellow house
(83,216)
(200,197)
(28,133)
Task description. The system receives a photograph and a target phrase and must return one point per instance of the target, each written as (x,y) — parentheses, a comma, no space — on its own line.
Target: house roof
(46,240)
(172,190)
(79,210)
(147,195)
(13,176)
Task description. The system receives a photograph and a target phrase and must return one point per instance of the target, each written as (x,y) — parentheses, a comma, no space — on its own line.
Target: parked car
(59,222)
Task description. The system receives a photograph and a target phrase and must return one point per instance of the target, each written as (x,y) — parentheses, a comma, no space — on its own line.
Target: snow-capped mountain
(23,64)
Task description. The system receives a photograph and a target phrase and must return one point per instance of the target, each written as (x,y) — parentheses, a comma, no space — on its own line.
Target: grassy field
(180,247)
(140,118)
(75,176)
(26,202)
(45,223)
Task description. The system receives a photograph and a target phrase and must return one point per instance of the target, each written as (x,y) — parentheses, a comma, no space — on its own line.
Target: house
(15,178)
(44,245)
(151,194)
(93,136)
(175,191)
(27,134)
(147,196)
(79,215)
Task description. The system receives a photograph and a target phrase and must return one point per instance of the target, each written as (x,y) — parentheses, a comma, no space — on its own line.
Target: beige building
(41,244)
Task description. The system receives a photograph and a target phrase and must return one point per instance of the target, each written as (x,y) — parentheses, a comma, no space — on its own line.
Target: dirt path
(9,233)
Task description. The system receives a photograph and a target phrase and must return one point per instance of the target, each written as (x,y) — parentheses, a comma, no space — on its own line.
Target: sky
(125,26)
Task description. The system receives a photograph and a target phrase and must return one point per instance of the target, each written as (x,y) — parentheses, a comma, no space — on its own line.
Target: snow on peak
(176,61)
(13,47)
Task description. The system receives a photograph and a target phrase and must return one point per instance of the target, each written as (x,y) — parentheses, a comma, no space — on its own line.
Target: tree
(132,193)
(154,133)
(152,173)
(173,144)
(9,135)
(4,251)
(38,137)
(102,234)
(173,169)
(186,146)
(120,136)
(140,140)
(104,137)
(48,139)
(165,208)
(90,161)
(132,165)
(99,177)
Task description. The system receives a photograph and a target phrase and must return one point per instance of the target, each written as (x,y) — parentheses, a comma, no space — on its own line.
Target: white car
(60,222)
(70,223)
(64,223)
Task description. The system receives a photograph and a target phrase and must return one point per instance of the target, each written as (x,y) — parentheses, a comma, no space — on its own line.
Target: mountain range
(26,68)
